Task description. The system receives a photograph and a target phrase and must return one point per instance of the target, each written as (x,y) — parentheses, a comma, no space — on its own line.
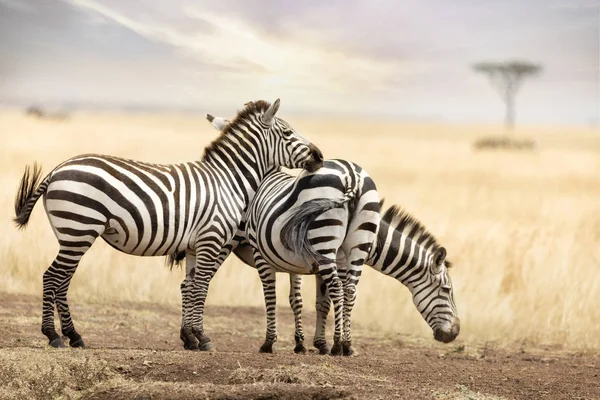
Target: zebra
(404,249)
(154,210)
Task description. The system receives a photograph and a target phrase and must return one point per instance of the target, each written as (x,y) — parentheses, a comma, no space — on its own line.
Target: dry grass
(35,374)
(522,228)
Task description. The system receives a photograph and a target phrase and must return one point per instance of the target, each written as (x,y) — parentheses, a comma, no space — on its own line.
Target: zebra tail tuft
(294,233)
(28,193)
(174,260)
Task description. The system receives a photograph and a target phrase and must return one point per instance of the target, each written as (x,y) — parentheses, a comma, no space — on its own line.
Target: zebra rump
(294,233)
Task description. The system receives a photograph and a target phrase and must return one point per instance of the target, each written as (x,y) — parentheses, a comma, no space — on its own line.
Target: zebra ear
(381,203)
(217,122)
(440,256)
(270,113)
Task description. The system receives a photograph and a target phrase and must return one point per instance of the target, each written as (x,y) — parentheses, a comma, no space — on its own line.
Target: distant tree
(34,111)
(506,77)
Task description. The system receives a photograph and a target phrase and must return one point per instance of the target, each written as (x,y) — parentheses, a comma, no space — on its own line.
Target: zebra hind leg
(329,273)
(56,282)
(66,323)
(323,304)
(267,277)
(296,304)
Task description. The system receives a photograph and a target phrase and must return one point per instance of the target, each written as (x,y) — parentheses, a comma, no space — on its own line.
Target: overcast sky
(408,58)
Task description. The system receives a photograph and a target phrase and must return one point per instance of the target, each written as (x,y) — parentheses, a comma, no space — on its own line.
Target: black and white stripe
(154,210)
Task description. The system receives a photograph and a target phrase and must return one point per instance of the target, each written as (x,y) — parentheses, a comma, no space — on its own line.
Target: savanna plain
(522,229)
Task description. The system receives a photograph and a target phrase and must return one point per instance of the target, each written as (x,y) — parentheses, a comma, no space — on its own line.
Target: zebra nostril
(316,153)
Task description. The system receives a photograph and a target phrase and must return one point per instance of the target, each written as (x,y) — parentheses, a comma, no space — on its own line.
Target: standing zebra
(154,210)
(321,223)
(404,250)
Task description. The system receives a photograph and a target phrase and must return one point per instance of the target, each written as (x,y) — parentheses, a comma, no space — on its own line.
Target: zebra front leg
(267,277)
(190,342)
(209,257)
(323,304)
(296,304)
(336,293)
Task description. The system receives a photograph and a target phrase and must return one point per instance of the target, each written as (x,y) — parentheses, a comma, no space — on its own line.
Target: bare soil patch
(134,352)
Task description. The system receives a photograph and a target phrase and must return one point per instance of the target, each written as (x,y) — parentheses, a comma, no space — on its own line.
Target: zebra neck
(239,171)
(400,256)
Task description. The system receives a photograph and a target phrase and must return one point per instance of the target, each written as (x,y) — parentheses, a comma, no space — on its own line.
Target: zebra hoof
(324,351)
(348,351)
(57,343)
(322,347)
(208,346)
(190,345)
(300,349)
(336,350)
(267,347)
(77,343)
(204,343)
(189,340)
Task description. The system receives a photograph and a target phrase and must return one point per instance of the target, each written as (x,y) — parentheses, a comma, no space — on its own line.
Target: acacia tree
(506,77)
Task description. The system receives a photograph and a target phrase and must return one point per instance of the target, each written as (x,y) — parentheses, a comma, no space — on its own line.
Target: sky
(406,59)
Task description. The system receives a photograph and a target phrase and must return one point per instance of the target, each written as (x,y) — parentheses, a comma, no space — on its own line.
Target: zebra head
(433,296)
(406,251)
(286,147)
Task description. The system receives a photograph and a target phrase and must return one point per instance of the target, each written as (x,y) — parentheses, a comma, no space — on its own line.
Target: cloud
(19,5)
(254,58)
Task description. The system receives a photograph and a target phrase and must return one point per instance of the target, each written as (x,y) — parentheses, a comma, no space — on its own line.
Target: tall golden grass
(523,229)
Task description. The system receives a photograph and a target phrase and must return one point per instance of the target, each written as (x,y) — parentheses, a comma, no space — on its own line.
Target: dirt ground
(134,352)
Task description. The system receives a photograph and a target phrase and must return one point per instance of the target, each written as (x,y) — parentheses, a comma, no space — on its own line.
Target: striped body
(138,208)
(154,210)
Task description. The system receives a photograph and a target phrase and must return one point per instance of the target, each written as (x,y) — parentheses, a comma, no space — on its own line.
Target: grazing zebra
(154,210)
(407,251)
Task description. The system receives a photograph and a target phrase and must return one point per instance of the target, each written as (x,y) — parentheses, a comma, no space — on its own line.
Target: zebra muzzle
(316,161)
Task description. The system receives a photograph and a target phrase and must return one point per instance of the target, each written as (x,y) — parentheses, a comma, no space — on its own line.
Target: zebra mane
(400,220)
(250,108)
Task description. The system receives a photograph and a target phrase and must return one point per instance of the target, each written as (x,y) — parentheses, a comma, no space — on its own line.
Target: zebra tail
(28,193)
(294,233)
(174,260)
